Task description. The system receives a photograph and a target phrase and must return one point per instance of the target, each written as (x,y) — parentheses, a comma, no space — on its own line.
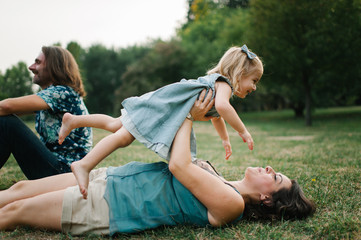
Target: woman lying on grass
(139,196)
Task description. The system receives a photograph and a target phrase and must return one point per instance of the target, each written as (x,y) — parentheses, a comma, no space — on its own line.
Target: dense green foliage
(310,50)
(325,159)
(15,82)
(161,64)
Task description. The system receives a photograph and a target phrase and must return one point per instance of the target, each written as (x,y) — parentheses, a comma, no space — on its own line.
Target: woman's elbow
(177,165)
(173,166)
(215,222)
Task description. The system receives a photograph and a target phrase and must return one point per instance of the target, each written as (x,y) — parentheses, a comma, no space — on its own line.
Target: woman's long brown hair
(286,204)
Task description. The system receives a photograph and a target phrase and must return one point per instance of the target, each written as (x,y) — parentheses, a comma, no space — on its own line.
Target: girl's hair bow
(250,54)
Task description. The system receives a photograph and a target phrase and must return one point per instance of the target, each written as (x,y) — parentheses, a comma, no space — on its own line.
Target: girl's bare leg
(106,146)
(30,188)
(101,121)
(42,211)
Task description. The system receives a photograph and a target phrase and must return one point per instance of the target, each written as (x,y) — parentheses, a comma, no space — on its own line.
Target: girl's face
(266,181)
(247,84)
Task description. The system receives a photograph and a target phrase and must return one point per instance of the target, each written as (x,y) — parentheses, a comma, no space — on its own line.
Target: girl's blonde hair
(235,64)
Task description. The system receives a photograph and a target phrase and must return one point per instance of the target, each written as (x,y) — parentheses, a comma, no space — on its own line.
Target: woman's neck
(247,193)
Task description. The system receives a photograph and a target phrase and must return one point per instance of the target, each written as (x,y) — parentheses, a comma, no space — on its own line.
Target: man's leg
(33,157)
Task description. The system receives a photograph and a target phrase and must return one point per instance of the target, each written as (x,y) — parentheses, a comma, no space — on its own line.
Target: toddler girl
(155,117)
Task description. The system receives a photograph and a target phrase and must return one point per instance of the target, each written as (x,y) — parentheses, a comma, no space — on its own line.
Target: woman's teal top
(146,195)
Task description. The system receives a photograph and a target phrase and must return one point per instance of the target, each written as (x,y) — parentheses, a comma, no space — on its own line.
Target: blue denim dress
(146,195)
(155,117)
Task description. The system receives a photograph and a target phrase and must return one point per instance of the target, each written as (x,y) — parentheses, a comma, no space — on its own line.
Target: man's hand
(201,106)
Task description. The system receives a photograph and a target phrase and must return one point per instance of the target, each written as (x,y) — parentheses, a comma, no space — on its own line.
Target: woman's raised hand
(202,105)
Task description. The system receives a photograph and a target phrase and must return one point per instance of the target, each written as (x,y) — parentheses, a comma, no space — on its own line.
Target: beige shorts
(90,215)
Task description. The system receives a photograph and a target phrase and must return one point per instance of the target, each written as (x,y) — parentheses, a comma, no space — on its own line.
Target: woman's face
(266,181)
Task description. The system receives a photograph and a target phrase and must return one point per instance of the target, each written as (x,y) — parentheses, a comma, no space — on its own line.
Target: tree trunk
(308,99)
(298,109)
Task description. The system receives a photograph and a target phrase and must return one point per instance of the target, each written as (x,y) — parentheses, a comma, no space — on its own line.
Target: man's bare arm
(22,105)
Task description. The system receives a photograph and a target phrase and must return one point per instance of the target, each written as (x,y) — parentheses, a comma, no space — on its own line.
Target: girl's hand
(246,136)
(227,146)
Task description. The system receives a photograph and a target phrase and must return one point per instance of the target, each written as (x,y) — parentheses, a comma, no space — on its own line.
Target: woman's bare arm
(224,204)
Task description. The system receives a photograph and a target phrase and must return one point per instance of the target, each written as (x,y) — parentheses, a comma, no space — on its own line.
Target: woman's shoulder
(206,165)
(236,197)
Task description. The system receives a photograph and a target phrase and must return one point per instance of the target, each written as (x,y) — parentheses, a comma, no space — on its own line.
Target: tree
(206,39)
(76,50)
(79,55)
(2,87)
(101,77)
(237,3)
(300,45)
(198,9)
(16,82)
(203,42)
(215,26)
(103,74)
(161,65)
(339,44)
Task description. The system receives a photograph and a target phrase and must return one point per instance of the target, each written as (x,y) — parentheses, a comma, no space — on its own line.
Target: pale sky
(27,25)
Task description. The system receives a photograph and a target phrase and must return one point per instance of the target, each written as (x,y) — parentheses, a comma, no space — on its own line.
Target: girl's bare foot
(82,176)
(66,127)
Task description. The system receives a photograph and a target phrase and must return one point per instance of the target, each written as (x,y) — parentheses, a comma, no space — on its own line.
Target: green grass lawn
(324,158)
